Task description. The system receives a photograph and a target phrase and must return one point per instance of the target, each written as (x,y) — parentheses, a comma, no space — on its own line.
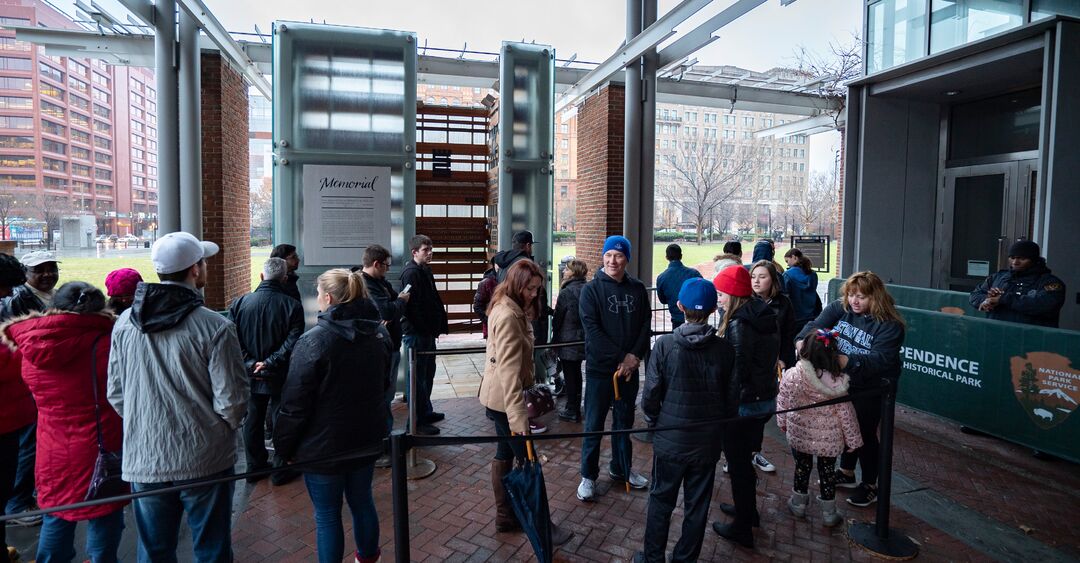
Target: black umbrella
(528,495)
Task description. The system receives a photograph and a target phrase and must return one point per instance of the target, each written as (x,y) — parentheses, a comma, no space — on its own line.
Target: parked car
(101,238)
(130,239)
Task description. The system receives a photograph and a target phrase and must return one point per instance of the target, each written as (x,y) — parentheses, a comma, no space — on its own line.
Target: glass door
(986,208)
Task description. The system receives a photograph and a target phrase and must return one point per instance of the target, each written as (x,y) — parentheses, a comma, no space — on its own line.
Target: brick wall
(600,172)
(226,216)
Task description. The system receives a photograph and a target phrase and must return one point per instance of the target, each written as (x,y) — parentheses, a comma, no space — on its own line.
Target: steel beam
(632,50)
(702,35)
(168,111)
(190,88)
(632,139)
(233,53)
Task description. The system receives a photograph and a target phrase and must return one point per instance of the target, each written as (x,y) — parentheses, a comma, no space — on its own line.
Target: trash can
(146,244)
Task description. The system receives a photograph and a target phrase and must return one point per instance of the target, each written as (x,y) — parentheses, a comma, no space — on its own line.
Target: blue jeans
(425,372)
(599,395)
(57,540)
(209,515)
(22,492)
(757,427)
(395,359)
(326,491)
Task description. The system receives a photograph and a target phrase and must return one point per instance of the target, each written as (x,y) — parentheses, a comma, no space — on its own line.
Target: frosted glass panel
(350,99)
(956,22)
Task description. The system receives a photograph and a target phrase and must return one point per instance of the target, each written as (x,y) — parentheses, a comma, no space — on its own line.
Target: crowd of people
(151,372)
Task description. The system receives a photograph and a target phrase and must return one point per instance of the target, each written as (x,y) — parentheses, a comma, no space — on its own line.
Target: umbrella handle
(615,382)
(530,452)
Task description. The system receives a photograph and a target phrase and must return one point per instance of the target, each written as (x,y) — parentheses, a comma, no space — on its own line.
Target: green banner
(922,298)
(1015,381)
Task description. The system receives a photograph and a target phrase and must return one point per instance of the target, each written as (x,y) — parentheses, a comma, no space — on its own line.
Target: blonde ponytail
(344,286)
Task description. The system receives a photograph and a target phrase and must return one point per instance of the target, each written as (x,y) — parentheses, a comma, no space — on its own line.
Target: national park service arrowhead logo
(1047,386)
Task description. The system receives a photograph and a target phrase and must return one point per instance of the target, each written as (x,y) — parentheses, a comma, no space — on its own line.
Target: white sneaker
(586,491)
(763,464)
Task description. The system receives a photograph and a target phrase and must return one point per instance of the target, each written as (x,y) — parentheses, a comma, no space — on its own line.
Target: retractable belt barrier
(402,445)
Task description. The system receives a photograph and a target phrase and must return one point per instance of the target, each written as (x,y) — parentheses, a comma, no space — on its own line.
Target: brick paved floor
(452,512)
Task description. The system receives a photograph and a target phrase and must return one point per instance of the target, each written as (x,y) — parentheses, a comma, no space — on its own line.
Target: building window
(52,128)
(50,72)
(102,127)
(53,146)
(80,119)
(103,158)
(15,63)
(80,136)
(17,161)
(18,181)
(12,83)
(79,152)
(102,174)
(80,169)
(54,164)
(102,111)
(896,33)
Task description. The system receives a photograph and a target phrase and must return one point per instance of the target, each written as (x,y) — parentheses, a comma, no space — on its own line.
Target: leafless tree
(50,209)
(816,205)
(568,215)
(833,70)
(261,207)
(706,176)
(8,204)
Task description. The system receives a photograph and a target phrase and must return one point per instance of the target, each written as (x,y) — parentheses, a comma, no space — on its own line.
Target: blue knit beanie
(617,242)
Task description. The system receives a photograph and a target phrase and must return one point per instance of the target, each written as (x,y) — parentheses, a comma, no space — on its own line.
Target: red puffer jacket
(56,351)
(19,409)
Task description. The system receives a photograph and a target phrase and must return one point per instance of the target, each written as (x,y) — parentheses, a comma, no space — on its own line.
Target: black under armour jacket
(688,380)
(615,315)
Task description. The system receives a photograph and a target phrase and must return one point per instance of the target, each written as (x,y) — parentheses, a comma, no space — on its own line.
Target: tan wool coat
(508,367)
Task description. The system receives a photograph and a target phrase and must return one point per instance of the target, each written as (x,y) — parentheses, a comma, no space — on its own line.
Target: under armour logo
(614,304)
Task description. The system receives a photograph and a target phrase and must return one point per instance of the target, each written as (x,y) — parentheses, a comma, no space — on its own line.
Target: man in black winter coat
(687,381)
(425,320)
(287,252)
(268,323)
(391,305)
(614,309)
(1025,293)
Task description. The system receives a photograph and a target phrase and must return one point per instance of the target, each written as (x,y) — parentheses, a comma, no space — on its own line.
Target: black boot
(729,509)
(743,537)
(560,535)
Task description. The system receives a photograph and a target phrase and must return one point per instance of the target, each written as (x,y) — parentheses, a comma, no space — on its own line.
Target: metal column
(640,143)
(190,116)
(168,112)
(632,144)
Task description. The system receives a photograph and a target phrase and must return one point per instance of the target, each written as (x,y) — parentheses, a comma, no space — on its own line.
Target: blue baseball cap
(617,242)
(697,294)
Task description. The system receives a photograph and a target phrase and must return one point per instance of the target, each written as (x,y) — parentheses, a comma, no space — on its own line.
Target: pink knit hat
(122,282)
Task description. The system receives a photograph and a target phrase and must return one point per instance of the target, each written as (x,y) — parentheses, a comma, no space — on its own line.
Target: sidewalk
(962,498)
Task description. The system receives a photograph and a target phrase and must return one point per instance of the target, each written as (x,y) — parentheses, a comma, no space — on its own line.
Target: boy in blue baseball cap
(687,381)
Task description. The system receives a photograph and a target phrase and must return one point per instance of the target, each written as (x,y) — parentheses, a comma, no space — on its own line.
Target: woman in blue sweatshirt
(871,332)
(800,284)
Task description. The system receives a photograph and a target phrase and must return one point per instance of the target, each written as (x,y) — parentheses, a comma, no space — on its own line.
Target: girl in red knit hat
(750,326)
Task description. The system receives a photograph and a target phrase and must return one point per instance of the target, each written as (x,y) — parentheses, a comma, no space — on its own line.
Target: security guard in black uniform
(1025,293)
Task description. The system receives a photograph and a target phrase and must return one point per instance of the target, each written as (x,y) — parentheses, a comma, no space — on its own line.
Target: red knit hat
(733,280)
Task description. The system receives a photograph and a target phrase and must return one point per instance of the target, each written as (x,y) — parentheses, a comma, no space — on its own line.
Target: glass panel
(1046,8)
(956,22)
(350,99)
(999,125)
(526,136)
(896,33)
(977,207)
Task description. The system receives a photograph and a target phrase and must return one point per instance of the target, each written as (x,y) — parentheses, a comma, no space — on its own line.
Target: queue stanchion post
(417,467)
(399,479)
(877,537)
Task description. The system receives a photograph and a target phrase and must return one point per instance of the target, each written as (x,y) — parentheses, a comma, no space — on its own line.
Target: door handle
(1002,251)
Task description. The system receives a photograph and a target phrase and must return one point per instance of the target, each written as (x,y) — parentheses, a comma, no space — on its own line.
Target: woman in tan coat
(508,372)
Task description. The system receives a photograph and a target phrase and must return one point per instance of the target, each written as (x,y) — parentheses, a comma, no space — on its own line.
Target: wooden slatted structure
(452,203)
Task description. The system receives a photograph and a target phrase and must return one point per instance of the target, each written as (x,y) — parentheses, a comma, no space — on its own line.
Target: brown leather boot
(505,520)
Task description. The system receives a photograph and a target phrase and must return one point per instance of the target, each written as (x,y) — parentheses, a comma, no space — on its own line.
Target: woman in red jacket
(65,354)
(18,411)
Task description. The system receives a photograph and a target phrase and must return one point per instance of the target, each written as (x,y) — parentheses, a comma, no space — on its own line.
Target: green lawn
(93,269)
(694,254)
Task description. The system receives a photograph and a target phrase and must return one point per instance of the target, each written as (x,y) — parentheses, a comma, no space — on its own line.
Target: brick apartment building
(77,136)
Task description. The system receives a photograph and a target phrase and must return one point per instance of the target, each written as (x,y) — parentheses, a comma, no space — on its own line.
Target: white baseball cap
(37,258)
(178,251)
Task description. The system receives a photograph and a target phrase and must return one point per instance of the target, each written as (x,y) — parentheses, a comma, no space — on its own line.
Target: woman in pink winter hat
(120,285)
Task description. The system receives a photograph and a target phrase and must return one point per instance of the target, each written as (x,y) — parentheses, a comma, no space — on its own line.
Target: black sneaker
(569,415)
(283,477)
(844,481)
(864,496)
(729,509)
(433,418)
(426,430)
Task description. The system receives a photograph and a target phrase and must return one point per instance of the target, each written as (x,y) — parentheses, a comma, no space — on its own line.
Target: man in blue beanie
(614,310)
(687,381)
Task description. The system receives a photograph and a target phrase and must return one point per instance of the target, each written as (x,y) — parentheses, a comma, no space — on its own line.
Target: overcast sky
(767,37)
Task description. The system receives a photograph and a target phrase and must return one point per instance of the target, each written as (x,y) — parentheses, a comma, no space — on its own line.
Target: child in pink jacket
(824,432)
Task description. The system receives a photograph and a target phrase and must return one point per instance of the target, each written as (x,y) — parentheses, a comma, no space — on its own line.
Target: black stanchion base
(897,546)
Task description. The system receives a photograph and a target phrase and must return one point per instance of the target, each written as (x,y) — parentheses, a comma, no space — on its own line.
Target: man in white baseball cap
(42,273)
(177,377)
